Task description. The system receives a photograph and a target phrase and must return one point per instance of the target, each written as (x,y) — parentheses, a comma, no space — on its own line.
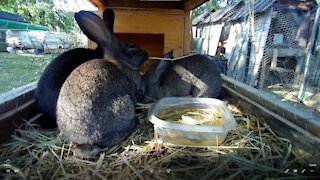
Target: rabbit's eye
(132,50)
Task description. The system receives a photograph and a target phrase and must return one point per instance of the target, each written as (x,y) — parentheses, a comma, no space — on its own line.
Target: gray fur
(196,76)
(96,105)
(59,69)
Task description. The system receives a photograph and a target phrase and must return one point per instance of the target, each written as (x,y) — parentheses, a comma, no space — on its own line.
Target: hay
(252,150)
(192,116)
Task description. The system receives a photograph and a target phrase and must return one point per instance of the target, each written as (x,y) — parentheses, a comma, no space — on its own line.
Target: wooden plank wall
(147,27)
(237,49)
(240,72)
(262,27)
(230,42)
(211,36)
(171,23)
(152,43)
(16,106)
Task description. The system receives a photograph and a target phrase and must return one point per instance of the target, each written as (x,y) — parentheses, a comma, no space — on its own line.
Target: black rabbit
(59,69)
(96,105)
(196,75)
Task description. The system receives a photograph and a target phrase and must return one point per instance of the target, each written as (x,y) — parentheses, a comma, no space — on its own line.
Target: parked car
(44,41)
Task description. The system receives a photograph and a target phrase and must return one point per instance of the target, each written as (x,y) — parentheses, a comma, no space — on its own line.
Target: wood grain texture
(153,43)
(183,4)
(187,33)
(305,120)
(15,117)
(169,23)
(98,3)
(144,4)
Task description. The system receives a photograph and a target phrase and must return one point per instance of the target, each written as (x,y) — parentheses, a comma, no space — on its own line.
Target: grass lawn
(20,69)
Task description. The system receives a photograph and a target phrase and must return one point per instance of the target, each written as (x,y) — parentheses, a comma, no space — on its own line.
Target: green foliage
(211,4)
(41,12)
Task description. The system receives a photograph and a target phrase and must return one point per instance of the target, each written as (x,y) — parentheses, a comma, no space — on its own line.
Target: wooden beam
(304,144)
(143,4)
(297,117)
(16,97)
(15,117)
(98,3)
(310,55)
(187,33)
(183,4)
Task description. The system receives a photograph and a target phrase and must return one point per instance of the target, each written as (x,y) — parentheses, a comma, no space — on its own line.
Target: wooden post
(310,54)
(274,59)
(188,38)
(257,47)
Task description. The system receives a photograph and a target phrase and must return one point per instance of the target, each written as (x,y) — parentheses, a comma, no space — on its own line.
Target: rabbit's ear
(169,55)
(108,18)
(94,28)
(160,69)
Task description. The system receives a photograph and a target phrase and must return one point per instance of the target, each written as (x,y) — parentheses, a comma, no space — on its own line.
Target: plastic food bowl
(174,133)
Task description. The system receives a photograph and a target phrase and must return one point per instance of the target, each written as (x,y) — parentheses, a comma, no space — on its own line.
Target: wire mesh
(283,37)
(284,57)
(281,68)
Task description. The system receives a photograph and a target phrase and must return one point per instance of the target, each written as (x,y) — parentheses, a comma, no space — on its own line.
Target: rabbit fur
(55,74)
(196,75)
(96,105)
(58,70)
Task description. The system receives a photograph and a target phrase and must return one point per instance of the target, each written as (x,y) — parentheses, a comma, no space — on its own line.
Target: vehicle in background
(39,41)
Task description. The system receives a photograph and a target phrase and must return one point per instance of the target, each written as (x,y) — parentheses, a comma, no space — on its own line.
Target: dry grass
(251,151)
(192,116)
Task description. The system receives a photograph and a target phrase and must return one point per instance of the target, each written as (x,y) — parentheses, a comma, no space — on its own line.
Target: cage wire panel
(258,42)
(276,55)
(230,33)
(273,57)
(313,76)
(285,53)
(210,39)
(246,58)
(236,63)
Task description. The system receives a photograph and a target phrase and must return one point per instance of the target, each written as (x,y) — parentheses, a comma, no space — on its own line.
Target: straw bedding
(251,151)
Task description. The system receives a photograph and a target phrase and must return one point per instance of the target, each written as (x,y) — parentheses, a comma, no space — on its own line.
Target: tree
(210,5)
(41,12)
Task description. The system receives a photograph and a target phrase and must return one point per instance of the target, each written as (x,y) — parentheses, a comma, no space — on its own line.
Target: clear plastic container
(191,135)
